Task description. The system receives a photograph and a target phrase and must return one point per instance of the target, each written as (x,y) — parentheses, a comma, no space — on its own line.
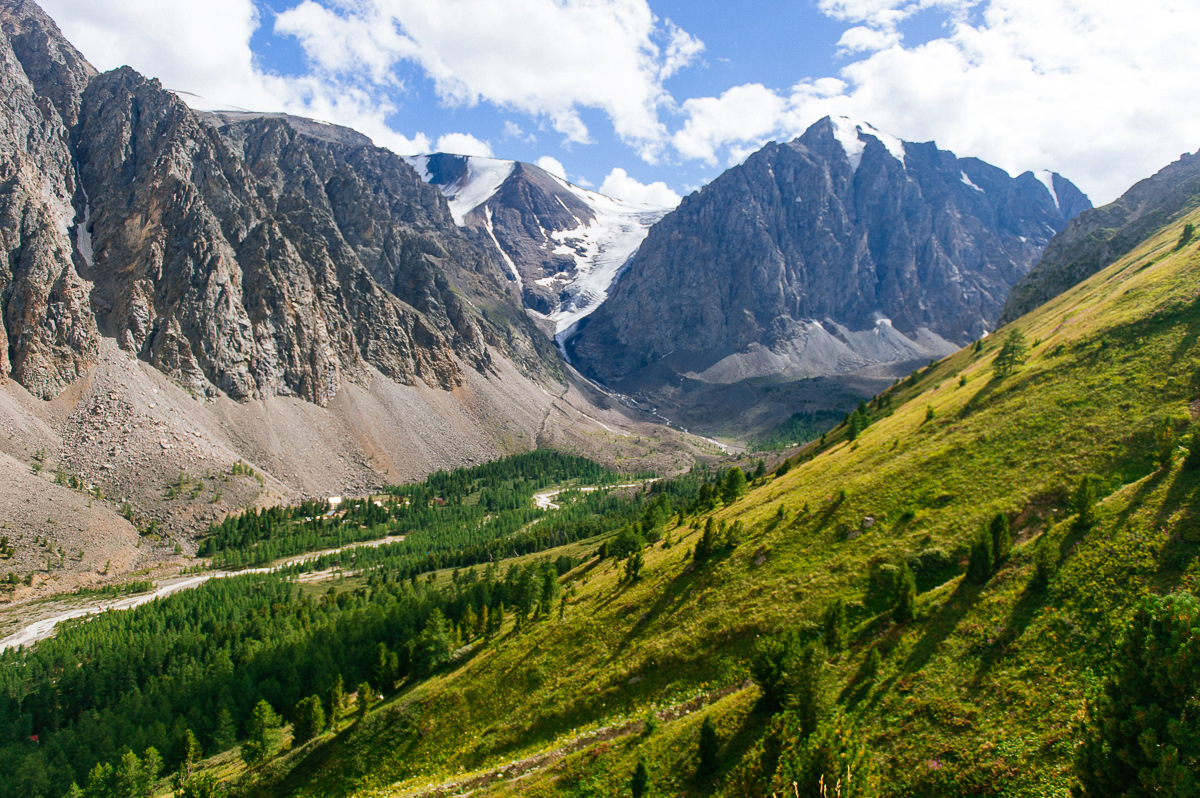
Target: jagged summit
(782,269)
(563,245)
(850,134)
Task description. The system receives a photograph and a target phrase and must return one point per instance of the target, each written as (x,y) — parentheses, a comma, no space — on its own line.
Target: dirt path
(529,765)
(44,627)
(544,500)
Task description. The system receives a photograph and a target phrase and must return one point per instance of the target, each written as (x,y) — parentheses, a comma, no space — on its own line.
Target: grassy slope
(978,694)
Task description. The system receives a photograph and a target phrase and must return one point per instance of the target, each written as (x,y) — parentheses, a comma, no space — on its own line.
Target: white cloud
(199,47)
(742,114)
(620,185)
(514,131)
(547,58)
(553,166)
(204,49)
(862,38)
(463,144)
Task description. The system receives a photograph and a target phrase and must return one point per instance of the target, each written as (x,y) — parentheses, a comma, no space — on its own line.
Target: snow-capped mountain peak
(850,132)
(562,244)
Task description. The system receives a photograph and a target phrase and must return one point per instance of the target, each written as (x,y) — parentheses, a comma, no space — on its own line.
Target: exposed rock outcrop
(842,251)
(250,255)
(562,245)
(1100,236)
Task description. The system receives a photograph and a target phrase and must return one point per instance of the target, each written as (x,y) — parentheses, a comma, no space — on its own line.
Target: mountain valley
(868,470)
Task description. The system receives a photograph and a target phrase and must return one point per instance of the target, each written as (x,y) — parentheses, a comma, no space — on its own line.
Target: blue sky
(650,99)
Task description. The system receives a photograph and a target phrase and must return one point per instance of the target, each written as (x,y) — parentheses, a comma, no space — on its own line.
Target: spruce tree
(310,720)
(906,595)
(1001,538)
(1141,736)
(640,780)
(707,749)
(982,562)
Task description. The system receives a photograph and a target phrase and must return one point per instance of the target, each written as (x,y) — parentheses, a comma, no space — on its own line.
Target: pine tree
(707,749)
(640,780)
(333,702)
(364,701)
(1087,493)
(310,720)
(152,765)
(833,626)
(127,779)
(906,595)
(1001,538)
(983,561)
(1011,355)
(633,566)
(379,668)
(261,734)
(1142,734)
(734,485)
(224,732)
(707,543)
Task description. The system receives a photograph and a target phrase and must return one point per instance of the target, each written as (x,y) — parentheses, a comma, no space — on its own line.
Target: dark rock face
(529,206)
(836,252)
(561,245)
(1100,236)
(48,336)
(255,255)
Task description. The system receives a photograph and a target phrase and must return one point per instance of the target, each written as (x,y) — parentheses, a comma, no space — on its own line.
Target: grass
(978,695)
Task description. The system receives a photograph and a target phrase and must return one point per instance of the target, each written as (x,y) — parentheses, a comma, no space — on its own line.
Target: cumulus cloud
(620,185)
(1090,88)
(203,51)
(553,166)
(742,114)
(547,58)
(463,144)
(199,47)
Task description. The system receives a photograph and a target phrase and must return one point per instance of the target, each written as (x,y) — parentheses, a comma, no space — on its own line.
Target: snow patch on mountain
(599,247)
(849,134)
(1046,178)
(491,230)
(482,180)
(967,182)
(600,250)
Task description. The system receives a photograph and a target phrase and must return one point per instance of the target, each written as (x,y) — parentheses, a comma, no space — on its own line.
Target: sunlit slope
(976,695)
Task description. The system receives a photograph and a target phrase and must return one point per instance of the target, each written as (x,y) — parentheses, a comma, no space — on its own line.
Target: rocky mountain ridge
(563,245)
(845,253)
(182,291)
(1099,236)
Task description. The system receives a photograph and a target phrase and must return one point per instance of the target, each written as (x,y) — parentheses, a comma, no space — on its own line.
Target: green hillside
(980,693)
(918,604)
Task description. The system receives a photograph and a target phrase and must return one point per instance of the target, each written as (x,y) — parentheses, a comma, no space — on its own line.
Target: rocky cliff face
(48,336)
(562,245)
(838,252)
(1100,236)
(248,255)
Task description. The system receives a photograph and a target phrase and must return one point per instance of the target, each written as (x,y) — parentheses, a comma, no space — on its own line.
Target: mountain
(563,245)
(181,291)
(846,253)
(1099,236)
(927,603)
